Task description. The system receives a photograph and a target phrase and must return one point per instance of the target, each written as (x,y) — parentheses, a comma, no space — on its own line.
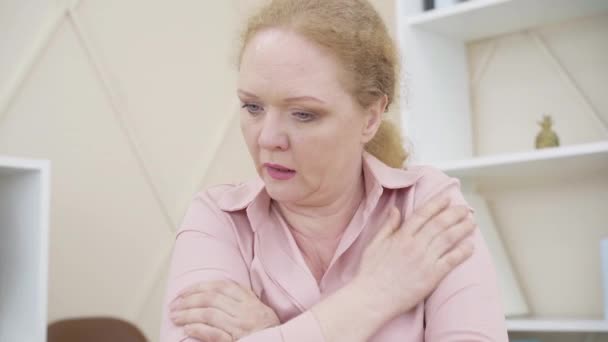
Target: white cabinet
(437,120)
(24,231)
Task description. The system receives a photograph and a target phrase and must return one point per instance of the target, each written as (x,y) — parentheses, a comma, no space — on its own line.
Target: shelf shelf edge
(523,157)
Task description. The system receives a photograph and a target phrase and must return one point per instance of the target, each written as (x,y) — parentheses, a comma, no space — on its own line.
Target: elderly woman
(335,240)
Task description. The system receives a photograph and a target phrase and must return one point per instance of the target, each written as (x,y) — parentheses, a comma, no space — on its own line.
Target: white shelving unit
(557,325)
(436,66)
(530,168)
(479,19)
(24,230)
(438,119)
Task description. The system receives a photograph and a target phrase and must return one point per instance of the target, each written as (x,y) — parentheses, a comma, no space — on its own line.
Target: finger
(423,214)
(441,222)
(226,287)
(209,316)
(207,300)
(234,290)
(390,225)
(204,332)
(454,257)
(450,238)
(201,287)
(242,292)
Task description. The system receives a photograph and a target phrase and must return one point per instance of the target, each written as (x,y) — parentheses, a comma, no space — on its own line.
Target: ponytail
(387,145)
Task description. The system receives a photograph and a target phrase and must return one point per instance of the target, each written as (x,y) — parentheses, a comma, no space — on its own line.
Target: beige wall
(133,103)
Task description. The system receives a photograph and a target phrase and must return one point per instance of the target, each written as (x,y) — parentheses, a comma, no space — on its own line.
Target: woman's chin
(281,192)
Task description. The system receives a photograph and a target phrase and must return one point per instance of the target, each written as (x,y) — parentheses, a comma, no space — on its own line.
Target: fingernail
(173,316)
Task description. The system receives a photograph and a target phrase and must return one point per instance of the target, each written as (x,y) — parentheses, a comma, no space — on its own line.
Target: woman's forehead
(278,57)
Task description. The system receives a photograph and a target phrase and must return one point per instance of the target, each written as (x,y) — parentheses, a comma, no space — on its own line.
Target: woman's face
(304,131)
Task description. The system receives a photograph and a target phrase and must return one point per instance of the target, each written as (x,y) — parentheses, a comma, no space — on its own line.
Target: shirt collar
(389,177)
(242,195)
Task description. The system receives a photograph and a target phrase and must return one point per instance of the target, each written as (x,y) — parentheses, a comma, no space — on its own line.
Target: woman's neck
(317,229)
(327,220)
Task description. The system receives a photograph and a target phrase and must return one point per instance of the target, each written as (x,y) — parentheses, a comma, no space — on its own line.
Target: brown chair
(94,329)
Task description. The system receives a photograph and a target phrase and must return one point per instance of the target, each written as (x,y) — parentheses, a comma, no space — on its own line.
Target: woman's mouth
(279,172)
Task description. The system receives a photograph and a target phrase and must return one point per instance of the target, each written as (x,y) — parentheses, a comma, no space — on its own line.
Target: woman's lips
(279,172)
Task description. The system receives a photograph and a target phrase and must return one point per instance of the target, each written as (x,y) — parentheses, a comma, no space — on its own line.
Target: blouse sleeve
(466,305)
(206,249)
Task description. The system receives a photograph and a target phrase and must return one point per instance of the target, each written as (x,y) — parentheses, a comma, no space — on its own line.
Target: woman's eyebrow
(304,98)
(289,99)
(246,93)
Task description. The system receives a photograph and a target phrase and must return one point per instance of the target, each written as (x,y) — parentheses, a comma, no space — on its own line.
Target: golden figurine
(546,137)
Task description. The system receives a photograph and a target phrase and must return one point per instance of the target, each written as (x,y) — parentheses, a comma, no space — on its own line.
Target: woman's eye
(252,108)
(303,116)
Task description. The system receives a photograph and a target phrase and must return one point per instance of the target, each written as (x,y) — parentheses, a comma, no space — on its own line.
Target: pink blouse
(233,232)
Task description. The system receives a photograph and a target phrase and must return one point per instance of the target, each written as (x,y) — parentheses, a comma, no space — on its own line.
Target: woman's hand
(405,262)
(220,311)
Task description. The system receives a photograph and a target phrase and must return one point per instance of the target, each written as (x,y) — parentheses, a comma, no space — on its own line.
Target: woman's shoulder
(409,175)
(432,181)
(428,175)
(426,171)
(229,196)
(210,209)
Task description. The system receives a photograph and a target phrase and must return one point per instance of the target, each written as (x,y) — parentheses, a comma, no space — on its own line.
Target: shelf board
(12,165)
(557,325)
(534,167)
(477,19)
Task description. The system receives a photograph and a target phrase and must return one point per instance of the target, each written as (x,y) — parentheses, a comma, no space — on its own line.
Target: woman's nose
(273,135)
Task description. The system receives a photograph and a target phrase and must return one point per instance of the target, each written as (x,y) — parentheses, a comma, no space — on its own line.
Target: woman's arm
(427,244)
(206,250)
(466,305)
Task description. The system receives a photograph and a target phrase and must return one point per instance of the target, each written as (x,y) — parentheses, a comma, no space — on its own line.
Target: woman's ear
(373,118)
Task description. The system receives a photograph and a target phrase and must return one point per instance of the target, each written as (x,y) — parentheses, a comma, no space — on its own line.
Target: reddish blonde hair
(355,34)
